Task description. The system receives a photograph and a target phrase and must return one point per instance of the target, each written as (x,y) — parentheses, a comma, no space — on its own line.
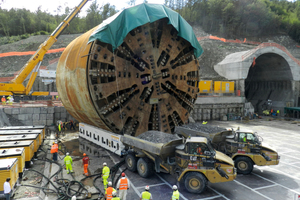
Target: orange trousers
(85,168)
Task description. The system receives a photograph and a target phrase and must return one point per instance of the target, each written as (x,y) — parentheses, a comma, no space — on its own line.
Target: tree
(93,17)
(107,11)
(131,2)
(4,23)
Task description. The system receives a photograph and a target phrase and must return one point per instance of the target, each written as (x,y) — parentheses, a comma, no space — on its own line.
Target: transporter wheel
(244,165)
(195,182)
(131,162)
(145,167)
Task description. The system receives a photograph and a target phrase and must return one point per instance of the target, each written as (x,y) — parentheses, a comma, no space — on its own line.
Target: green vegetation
(242,18)
(225,18)
(17,24)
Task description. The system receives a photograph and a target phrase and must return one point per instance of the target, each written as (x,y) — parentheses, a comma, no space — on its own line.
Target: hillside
(214,51)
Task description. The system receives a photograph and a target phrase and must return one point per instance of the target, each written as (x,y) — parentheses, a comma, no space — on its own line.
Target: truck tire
(145,167)
(243,165)
(131,162)
(195,182)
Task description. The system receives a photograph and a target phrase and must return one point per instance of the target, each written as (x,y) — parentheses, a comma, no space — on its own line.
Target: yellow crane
(15,86)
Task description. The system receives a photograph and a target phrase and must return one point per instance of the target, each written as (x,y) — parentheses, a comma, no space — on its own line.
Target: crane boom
(33,64)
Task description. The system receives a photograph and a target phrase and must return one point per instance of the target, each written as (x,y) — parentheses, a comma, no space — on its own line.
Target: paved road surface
(270,182)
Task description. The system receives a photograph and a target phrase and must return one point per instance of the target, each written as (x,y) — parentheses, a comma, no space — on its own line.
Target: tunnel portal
(269,78)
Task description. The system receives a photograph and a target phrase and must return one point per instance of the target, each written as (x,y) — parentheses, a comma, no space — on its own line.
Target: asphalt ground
(278,182)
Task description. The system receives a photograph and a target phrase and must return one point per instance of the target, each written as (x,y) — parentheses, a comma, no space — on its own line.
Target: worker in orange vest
(199,150)
(54,150)
(109,191)
(85,163)
(123,186)
(3,99)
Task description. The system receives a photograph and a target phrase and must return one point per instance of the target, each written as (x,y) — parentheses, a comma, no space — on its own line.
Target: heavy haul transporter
(244,147)
(193,161)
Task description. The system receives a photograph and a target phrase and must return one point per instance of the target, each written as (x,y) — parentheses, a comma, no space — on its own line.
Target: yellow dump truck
(244,147)
(193,161)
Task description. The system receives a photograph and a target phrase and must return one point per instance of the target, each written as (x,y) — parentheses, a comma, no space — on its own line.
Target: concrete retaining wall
(216,111)
(33,116)
(217,108)
(205,108)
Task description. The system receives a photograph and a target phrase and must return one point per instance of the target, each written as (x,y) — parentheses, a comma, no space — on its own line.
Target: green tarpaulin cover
(114,29)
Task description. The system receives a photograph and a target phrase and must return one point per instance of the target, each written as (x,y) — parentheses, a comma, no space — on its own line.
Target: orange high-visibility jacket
(123,184)
(54,148)
(109,192)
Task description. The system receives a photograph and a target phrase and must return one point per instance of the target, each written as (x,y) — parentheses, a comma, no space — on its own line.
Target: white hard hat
(147,187)
(104,163)
(67,153)
(174,187)
(109,183)
(114,193)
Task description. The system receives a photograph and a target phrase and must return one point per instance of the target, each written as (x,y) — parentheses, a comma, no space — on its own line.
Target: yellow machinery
(9,168)
(40,132)
(29,128)
(244,147)
(205,86)
(28,146)
(32,137)
(224,87)
(14,153)
(33,64)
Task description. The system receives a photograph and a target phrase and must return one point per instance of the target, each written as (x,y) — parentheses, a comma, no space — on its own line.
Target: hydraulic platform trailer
(137,71)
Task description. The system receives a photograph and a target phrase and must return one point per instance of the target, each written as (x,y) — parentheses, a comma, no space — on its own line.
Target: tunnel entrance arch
(269,78)
(267,71)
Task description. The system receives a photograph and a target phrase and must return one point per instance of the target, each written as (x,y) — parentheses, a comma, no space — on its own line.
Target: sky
(52,5)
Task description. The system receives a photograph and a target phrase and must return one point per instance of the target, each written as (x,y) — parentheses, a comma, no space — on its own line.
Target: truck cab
(199,162)
(244,147)
(247,149)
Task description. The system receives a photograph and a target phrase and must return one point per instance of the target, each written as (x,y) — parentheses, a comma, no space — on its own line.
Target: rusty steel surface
(71,81)
(148,83)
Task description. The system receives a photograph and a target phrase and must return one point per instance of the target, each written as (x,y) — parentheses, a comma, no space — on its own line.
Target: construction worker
(54,150)
(199,150)
(11,100)
(204,122)
(71,123)
(109,191)
(146,195)
(123,186)
(85,163)
(105,174)
(114,194)
(68,162)
(58,127)
(7,189)
(3,100)
(8,99)
(175,195)
(277,113)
